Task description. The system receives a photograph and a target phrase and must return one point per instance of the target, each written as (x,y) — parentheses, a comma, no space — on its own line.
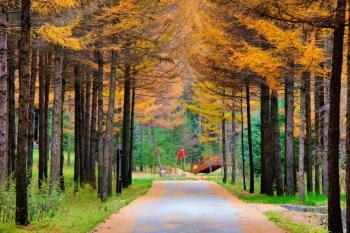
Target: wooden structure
(207,165)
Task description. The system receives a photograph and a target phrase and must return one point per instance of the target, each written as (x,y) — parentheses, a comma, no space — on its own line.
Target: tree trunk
(319,126)
(242,143)
(87,145)
(11,106)
(347,147)
(141,151)
(64,82)
(48,70)
(99,77)
(4,159)
(302,141)
(223,145)
(126,129)
(265,135)
(132,124)
(250,143)
(83,126)
(275,136)
(233,148)
(56,122)
(308,142)
(42,139)
(334,211)
(77,126)
(289,128)
(93,131)
(31,114)
(23,118)
(108,153)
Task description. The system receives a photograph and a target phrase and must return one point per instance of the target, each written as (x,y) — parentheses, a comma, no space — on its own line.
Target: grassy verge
(81,212)
(237,190)
(292,227)
(68,212)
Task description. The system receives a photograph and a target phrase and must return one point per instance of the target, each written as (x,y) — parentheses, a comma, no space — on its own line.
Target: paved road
(187,207)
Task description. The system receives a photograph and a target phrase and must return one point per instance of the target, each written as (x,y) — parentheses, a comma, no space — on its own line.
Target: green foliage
(292,227)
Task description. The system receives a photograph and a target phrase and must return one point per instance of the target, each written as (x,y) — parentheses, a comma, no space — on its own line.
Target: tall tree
(242,143)
(223,145)
(233,147)
(132,126)
(23,117)
(250,143)
(302,141)
(77,126)
(108,148)
(56,122)
(11,105)
(334,211)
(308,142)
(265,135)
(4,159)
(126,127)
(274,124)
(319,129)
(289,89)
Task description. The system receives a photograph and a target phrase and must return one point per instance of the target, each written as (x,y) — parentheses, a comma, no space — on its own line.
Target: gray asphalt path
(186,207)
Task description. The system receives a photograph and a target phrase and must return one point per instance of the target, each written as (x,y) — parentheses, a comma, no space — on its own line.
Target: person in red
(181,153)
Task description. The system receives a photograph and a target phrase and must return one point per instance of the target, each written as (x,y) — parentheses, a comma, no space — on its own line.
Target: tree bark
(93,131)
(233,148)
(347,163)
(142,166)
(4,159)
(77,127)
(56,122)
(319,129)
(99,59)
(82,80)
(108,149)
(48,71)
(242,143)
(87,134)
(308,142)
(302,141)
(265,135)
(64,82)
(132,124)
(223,145)
(250,143)
(31,114)
(275,135)
(289,128)
(11,106)
(23,118)
(334,211)
(126,129)
(42,142)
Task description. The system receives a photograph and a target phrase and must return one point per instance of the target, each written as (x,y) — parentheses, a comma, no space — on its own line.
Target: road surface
(187,207)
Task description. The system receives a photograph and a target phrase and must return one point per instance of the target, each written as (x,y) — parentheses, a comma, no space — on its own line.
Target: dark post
(119,173)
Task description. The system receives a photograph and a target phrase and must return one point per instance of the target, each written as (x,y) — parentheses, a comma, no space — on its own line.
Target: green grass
(76,212)
(237,190)
(292,227)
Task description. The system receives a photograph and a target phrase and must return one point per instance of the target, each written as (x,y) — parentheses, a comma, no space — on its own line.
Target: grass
(292,227)
(77,212)
(237,190)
